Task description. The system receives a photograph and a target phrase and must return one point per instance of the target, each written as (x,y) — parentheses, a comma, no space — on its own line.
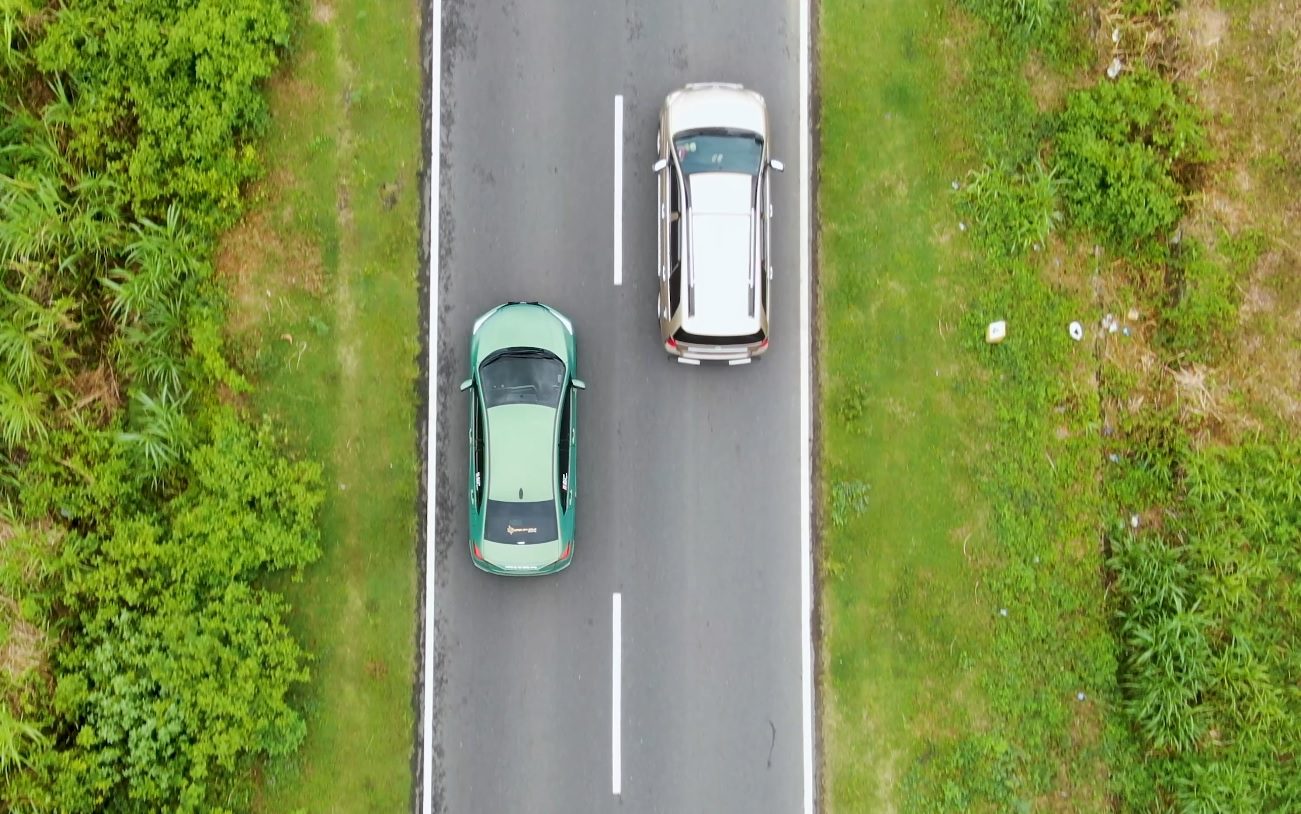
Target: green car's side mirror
(579,384)
(659,166)
(467,384)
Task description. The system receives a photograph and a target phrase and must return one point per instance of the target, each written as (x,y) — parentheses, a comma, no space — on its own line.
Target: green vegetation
(1120,625)
(910,632)
(323,273)
(164,98)
(1126,150)
(145,664)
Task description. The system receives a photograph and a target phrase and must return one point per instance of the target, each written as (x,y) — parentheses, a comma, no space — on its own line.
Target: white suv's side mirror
(777,165)
(659,166)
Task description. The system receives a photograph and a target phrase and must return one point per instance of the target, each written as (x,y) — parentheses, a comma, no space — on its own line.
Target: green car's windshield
(719,151)
(522,376)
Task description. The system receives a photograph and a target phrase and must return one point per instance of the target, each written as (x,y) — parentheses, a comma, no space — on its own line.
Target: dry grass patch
(1244,65)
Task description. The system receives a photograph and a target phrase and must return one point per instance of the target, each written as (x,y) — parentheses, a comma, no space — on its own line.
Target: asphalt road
(689,478)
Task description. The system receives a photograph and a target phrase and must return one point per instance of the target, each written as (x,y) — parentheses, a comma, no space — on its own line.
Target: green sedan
(523,440)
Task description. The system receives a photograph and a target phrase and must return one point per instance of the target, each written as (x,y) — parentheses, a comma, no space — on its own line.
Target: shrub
(166,95)
(1012,210)
(1047,25)
(1210,617)
(177,667)
(1126,151)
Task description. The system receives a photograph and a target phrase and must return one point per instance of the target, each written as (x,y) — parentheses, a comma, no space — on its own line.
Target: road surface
(686,692)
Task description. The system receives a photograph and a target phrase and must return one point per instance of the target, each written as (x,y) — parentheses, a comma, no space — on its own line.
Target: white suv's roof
(716,105)
(723,247)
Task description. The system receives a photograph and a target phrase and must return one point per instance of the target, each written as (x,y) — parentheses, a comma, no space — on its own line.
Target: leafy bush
(1048,25)
(848,500)
(117,164)
(1126,151)
(1202,313)
(165,95)
(1210,616)
(177,666)
(1012,210)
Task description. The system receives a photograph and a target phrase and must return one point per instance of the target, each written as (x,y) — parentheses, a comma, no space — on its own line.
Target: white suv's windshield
(719,151)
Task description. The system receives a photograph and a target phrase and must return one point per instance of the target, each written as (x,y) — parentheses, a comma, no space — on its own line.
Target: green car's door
(567,462)
(478,460)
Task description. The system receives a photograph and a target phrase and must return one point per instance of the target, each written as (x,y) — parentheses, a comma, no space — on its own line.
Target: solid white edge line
(616,697)
(618,189)
(806,541)
(431,418)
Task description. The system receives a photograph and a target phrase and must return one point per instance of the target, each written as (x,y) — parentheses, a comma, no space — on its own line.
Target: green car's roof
(521,452)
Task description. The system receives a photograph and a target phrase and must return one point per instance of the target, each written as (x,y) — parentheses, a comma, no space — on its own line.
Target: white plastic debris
(962,226)
(1114,69)
(1115,35)
(996,332)
(1002,611)
(1079,696)
(955,185)
(1133,521)
(1076,330)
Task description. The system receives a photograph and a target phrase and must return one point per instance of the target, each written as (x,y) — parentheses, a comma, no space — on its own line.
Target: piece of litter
(955,185)
(1002,611)
(1079,696)
(1133,521)
(996,332)
(1115,35)
(1113,70)
(962,226)
(1114,458)
(1036,560)
(1125,330)
(1076,330)
(1132,315)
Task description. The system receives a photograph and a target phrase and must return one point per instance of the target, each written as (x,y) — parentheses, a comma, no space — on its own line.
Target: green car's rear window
(520,523)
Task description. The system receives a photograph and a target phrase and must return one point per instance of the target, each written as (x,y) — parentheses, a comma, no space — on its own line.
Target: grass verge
(967,662)
(1134,529)
(323,276)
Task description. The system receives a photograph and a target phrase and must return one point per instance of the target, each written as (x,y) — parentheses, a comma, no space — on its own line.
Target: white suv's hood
(697,108)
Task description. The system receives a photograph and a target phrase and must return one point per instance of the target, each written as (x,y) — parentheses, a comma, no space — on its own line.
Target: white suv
(715,205)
